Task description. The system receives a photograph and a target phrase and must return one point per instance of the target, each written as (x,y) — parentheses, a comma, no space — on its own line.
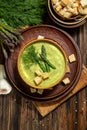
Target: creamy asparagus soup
(44,56)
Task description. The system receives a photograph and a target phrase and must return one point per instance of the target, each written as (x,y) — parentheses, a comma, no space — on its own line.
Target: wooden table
(18,112)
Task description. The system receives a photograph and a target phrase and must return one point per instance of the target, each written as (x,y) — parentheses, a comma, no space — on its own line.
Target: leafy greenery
(23,12)
(9,37)
(30,56)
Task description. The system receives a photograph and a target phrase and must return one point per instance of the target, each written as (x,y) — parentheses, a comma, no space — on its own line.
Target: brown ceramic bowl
(77,18)
(27,68)
(70,23)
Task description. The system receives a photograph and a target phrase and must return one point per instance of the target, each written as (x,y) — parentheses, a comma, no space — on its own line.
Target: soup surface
(54,54)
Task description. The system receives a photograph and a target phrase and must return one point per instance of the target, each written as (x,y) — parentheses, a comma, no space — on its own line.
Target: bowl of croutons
(68,13)
(42,63)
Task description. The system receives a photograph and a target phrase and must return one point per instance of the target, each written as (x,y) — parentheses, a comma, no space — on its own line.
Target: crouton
(83,11)
(45,75)
(65,2)
(62,12)
(33,90)
(38,73)
(55,1)
(72,58)
(40,91)
(75,4)
(40,37)
(83,3)
(67,14)
(66,81)
(37,80)
(75,11)
(58,8)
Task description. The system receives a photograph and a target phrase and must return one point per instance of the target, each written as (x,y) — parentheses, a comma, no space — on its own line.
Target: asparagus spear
(43,52)
(9,37)
(47,61)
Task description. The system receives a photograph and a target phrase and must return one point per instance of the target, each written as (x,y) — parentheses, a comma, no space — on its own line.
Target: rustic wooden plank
(82,110)
(72,113)
(62,122)
(1,113)
(83,43)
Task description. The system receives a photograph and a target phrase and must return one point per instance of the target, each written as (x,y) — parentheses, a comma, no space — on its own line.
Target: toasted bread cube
(72,58)
(45,75)
(80,9)
(64,9)
(38,73)
(58,8)
(33,90)
(62,12)
(66,81)
(85,11)
(75,4)
(70,9)
(38,80)
(75,11)
(73,1)
(55,1)
(40,91)
(40,37)
(65,2)
(58,3)
(83,3)
(67,14)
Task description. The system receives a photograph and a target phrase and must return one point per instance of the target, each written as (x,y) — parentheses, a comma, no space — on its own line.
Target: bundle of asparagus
(9,37)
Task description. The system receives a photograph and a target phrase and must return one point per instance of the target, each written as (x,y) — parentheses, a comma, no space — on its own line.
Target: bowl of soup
(42,63)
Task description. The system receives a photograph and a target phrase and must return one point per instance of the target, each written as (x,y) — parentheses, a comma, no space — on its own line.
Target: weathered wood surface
(18,112)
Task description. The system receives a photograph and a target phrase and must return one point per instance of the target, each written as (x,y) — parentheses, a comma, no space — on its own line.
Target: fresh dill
(23,12)
(30,57)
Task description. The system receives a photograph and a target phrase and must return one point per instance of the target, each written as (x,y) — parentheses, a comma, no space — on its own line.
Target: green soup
(54,54)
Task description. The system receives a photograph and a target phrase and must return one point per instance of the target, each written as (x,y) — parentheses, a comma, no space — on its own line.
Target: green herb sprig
(30,56)
(23,12)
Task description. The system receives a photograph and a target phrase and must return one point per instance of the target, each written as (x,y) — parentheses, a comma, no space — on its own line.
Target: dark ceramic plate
(68,45)
(57,19)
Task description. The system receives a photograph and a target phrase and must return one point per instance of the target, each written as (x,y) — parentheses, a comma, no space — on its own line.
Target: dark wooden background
(18,112)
